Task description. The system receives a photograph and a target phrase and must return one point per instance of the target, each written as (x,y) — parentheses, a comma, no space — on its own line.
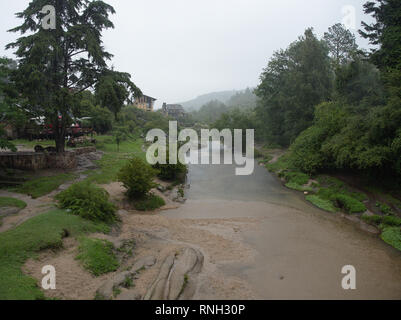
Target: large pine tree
(56,65)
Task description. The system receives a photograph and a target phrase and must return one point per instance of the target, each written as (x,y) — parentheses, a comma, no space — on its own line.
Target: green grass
(97,256)
(385,209)
(11,202)
(296,186)
(42,232)
(350,204)
(392,236)
(385,220)
(113,161)
(149,203)
(296,177)
(38,187)
(323,204)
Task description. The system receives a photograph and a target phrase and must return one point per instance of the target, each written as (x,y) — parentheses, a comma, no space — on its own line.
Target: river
(299,249)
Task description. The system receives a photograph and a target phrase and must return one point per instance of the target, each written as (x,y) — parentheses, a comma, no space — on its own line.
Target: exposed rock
(146,262)
(106,290)
(180,200)
(177,276)
(161,188)
(352,218)
(369,228)
(157,290)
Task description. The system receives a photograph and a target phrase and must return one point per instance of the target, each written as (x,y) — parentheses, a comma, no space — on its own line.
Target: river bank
(242,237)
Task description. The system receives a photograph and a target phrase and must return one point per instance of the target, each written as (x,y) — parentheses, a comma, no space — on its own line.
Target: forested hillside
(335,106)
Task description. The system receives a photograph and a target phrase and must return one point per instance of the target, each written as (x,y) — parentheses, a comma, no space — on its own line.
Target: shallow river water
(300,250)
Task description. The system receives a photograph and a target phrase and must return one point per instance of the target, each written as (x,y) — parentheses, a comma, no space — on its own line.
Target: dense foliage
(137,178)
(294,82)
(88,201)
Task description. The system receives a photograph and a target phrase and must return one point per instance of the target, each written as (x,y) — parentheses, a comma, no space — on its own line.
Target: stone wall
(37,161)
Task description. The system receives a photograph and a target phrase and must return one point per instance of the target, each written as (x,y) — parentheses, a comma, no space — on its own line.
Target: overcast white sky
(179,49)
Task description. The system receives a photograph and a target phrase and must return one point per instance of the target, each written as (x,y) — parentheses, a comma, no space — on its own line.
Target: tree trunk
(60,144)
(59,136)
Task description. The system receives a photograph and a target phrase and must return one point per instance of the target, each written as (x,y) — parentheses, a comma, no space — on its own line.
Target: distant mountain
(197,103)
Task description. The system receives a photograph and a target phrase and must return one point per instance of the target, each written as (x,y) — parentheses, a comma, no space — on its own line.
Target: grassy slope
(97,256)
(41,232)
(113,161)
(38,187)
(11,202)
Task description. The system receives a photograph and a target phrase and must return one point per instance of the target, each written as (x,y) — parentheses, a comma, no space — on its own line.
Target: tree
(357,82)
(384,33)
(10,112)
(294,82)
(341,43)
(120,134)
(55,66)
(114,90)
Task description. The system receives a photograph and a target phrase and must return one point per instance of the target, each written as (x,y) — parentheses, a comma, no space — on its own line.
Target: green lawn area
(113,161)
(25,241)
(11,202)
(97,256)
(38,187)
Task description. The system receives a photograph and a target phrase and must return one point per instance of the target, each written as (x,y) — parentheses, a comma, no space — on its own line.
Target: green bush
(385,209)
(392,236)
(296,186)
(171,172)
(149,203)
(385,220)
(324,204)
(137,178)
(350,204)
(97,256)
(296,177)
(88,201)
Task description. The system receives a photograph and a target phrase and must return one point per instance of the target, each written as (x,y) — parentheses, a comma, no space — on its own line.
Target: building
(145,103)
(173,110)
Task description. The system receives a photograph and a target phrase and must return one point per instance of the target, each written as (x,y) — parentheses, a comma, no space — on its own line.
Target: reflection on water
(213,182)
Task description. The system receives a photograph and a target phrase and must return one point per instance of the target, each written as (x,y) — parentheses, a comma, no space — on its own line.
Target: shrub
(350,204)
(137,178)
(324,204)
(171,172)
(385,209)
(88,201)
(385,220)
(296,177)
(296,186)
(149,203)
(97,256)
(392,236)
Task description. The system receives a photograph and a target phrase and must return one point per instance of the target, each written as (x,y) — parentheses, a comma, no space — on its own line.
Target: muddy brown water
(300,250)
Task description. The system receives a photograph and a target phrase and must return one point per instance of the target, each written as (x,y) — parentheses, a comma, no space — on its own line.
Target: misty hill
(197,103)
(213,110)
